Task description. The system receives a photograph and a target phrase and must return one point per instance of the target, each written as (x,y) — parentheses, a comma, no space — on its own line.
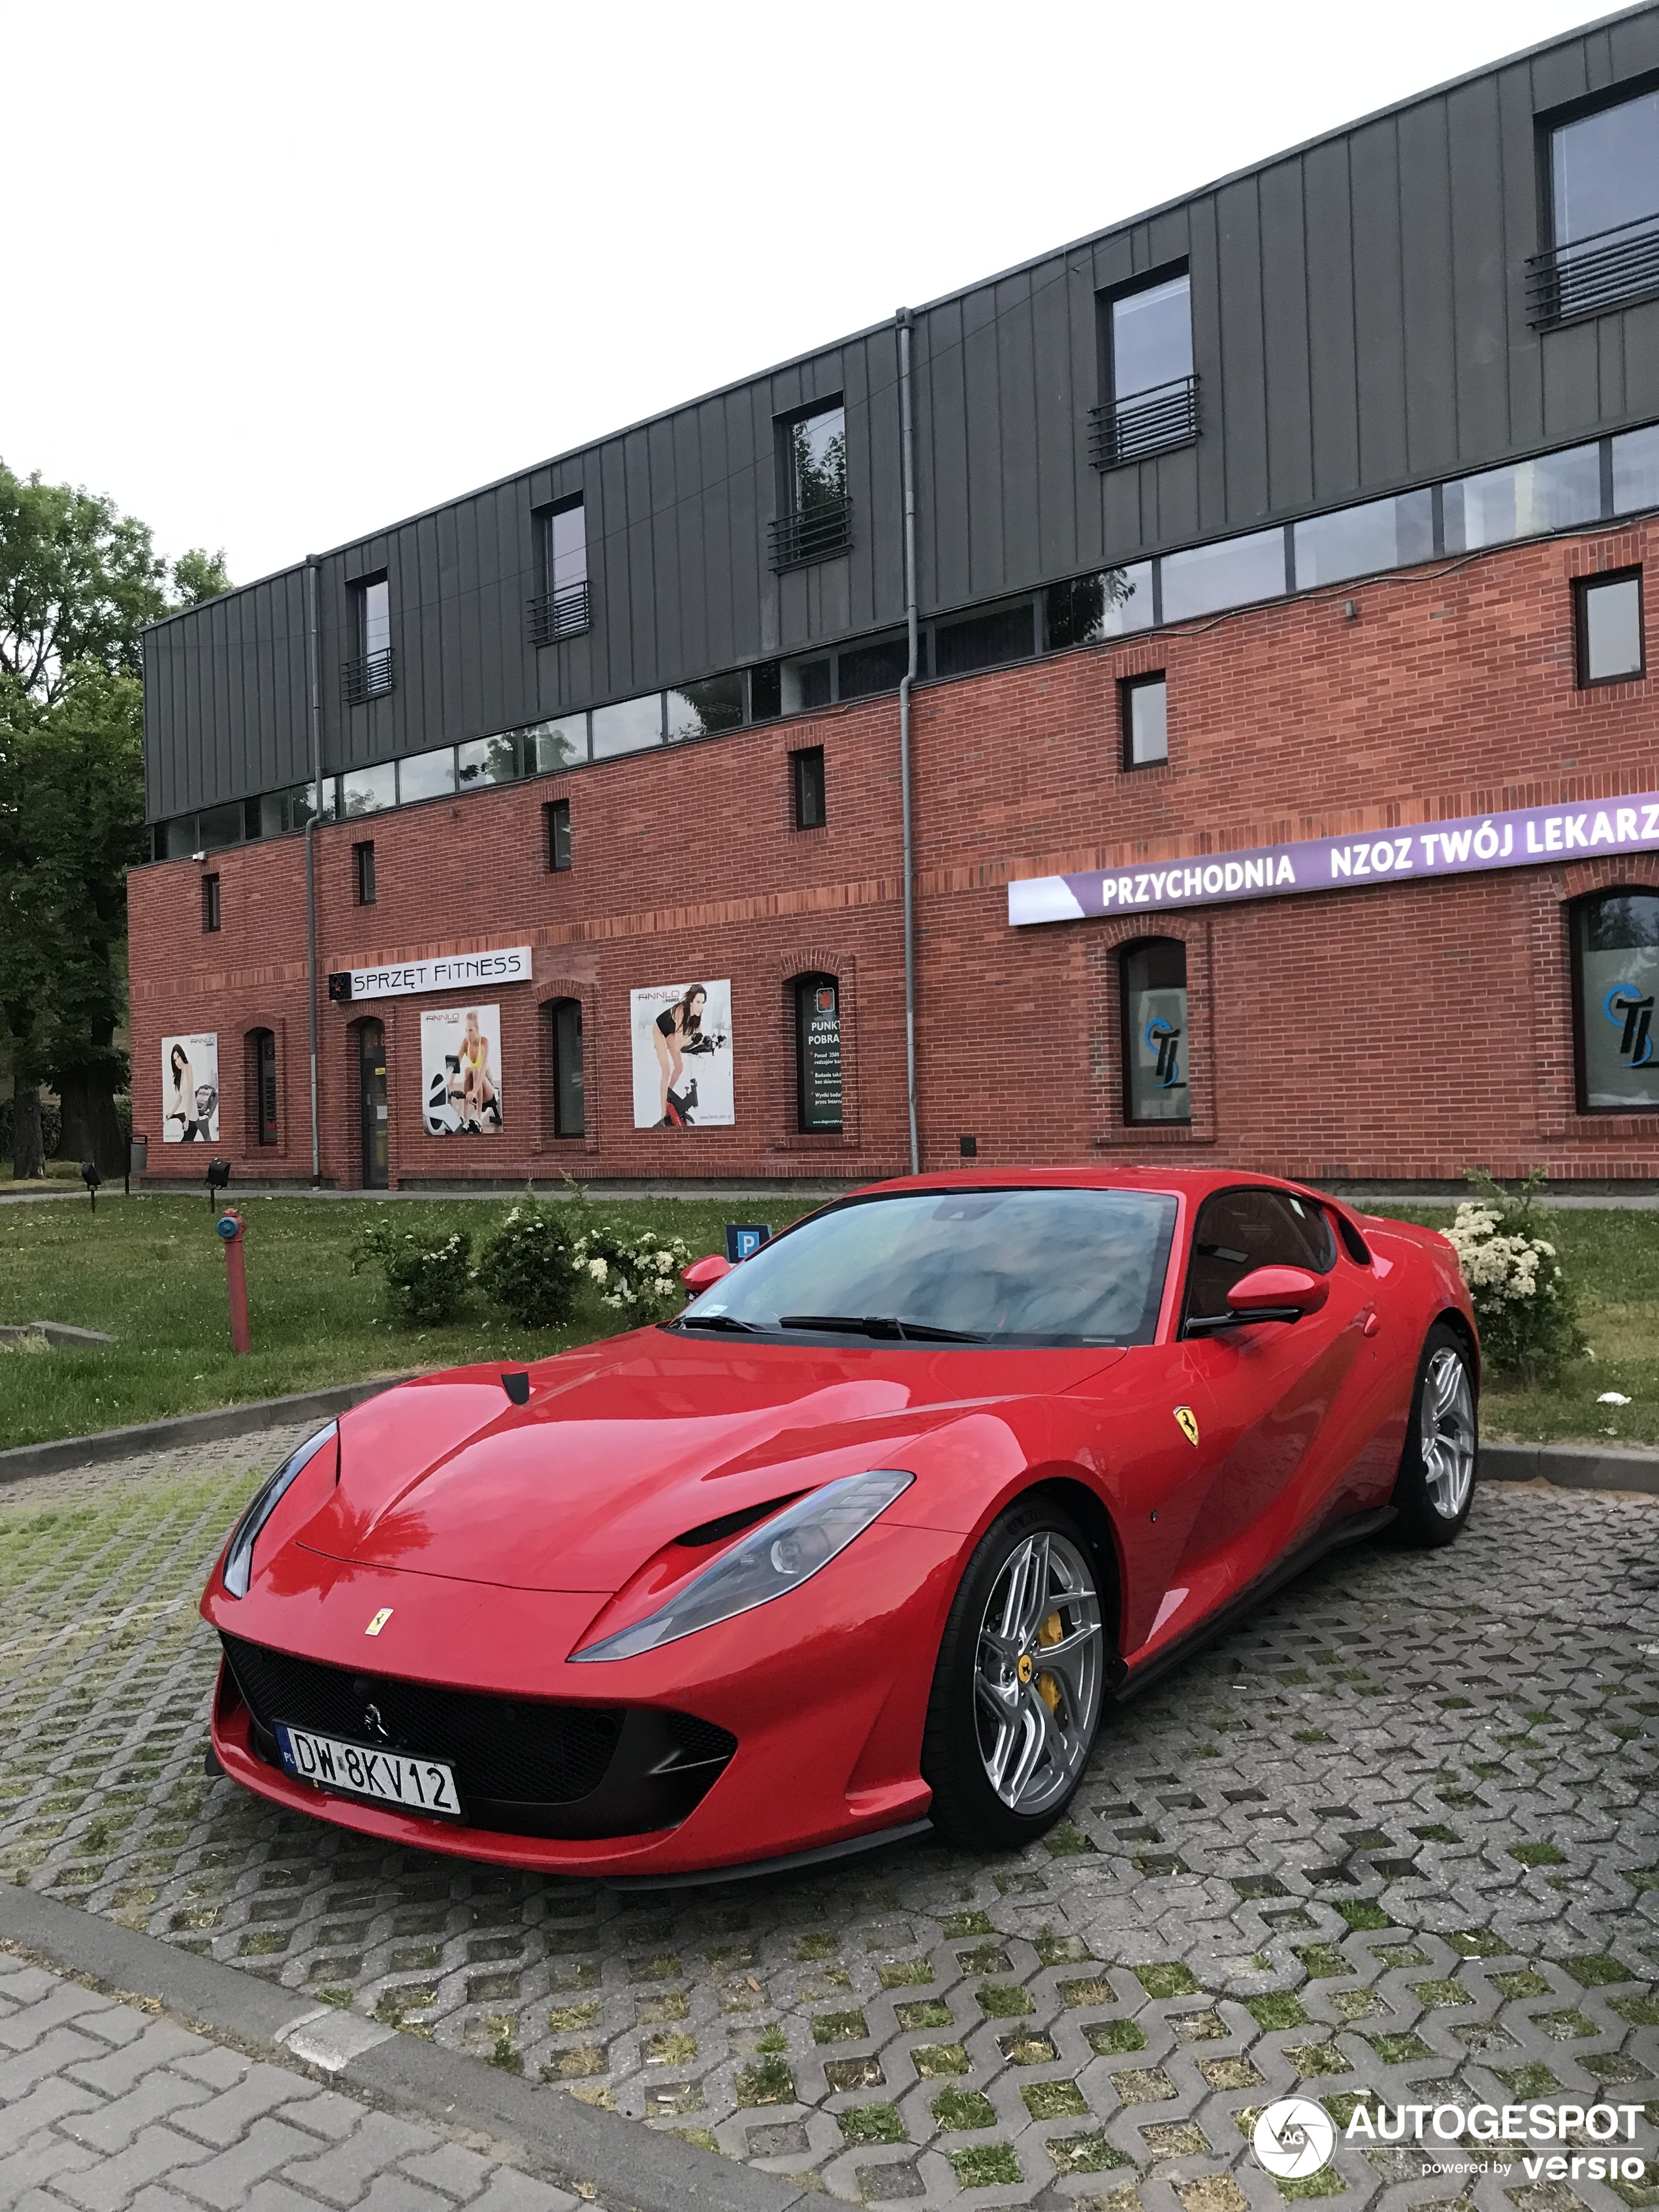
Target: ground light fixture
(218,1179)
(90,1176)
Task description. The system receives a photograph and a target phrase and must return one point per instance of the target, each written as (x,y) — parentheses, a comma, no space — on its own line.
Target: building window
(807,779)
(817,1054)
(1151,393)
(1145,721)
(1233,572)
(561,607)
(362,869)
(982,642)
(368,676)
(1608,610)
(209,903)
(1615,974)
(817,519)
(262,1070)
(705,709)
(866,670)
(1604,207)
(570,1115)
(766,691)
(1156,1076)
(557,815)
(1092,608)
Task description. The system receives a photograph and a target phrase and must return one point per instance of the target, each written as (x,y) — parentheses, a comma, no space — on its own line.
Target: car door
(1285,1394)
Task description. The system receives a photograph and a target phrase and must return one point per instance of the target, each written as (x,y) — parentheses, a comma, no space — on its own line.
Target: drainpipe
(314,683)
(908,464)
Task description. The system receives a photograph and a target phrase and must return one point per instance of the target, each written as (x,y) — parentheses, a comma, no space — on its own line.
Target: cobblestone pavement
(1397,1831)
(106,2109)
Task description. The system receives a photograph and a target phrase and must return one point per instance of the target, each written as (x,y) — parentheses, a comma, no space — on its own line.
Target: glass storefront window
(1636,470)
(703,710)
(629,727)
(1360,541)
(1155,1086)
(487,760)
(367,790)
(1091,608)
(1230,574)
(1554,492)
(549,746)
(1615,940)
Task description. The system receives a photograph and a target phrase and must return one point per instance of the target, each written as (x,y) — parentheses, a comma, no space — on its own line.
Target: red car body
(496,1538)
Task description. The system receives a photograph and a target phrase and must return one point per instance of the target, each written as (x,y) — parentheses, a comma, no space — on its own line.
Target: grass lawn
(151,1272)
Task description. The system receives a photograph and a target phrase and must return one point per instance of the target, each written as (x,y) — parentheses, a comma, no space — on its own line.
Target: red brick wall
(1395,1032)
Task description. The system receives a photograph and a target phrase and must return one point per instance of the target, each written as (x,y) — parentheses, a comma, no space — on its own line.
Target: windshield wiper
(717,1320)
(880,1325)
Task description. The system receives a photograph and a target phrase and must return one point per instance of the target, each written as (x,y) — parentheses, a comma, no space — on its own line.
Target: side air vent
(733,1524)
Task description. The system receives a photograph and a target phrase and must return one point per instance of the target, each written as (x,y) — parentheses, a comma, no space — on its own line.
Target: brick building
(1283,768)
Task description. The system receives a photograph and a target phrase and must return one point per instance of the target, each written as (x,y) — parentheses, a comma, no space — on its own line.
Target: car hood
(625,1446)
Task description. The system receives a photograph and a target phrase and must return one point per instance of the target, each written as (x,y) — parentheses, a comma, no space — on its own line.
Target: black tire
(967,1808)
(1434,1489)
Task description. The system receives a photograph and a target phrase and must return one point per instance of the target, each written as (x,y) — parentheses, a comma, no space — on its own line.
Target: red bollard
(229,1226)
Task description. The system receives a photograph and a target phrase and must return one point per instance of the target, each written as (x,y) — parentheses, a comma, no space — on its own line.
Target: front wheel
(1435,1483)
(1017,1691)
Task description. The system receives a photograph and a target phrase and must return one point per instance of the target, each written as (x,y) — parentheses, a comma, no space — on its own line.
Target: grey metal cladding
(1360,323)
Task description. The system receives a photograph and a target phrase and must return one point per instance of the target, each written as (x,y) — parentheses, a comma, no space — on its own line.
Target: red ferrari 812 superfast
(870,1537)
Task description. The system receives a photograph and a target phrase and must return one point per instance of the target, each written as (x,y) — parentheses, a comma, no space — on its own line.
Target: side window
(1240,1230)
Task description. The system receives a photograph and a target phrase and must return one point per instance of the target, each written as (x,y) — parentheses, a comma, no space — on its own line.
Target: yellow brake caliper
(1047,1688)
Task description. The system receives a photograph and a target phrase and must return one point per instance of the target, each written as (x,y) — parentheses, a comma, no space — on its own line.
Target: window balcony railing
(1144,423)
(369,677)
(812,533)
(1610,268)
(563,613)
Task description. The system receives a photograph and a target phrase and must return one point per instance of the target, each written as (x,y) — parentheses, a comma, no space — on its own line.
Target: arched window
(569,1111)
(817,1054)
(1615,974)
(262,1083)
(1157,1084)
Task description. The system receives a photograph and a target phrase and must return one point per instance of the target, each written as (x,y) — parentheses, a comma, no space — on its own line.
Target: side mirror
(703,1274)
(1277,1293)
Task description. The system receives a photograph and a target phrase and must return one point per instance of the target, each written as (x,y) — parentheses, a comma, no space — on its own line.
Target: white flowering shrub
(530,1267)
(1524,1302)
(636,1275)
(426,1275)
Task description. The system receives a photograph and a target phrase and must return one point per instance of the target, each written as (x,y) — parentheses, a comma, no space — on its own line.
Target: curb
(546,2130)
(208,1427)
(1571,1467)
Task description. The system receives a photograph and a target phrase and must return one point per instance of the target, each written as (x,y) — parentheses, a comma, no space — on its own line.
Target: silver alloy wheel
(1037,1673)
(1446,1433)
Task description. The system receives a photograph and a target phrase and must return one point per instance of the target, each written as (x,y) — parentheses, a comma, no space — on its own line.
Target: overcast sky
(277,274)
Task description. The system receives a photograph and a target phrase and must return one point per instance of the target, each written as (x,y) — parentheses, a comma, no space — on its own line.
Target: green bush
(426,1276)
(1527,1309)
(530,1268)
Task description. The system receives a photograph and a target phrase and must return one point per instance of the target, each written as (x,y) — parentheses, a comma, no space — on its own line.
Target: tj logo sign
(1165,1043)
(1627,1010)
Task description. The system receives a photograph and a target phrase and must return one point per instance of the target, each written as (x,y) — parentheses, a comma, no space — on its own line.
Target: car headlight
(238,1558)
(778,1556)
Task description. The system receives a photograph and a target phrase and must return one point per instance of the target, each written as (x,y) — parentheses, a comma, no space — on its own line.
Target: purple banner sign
(1529,836)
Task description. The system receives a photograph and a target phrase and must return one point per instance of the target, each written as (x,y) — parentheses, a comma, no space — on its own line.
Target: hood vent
(733,1524)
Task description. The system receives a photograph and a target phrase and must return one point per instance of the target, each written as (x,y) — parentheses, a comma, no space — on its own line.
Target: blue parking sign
(743,1238)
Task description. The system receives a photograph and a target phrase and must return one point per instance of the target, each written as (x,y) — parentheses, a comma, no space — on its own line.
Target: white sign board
(456,971)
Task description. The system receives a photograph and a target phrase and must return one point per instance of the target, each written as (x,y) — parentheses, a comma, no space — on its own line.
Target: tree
(78,582)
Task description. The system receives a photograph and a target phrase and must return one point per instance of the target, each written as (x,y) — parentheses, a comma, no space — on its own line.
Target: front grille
(521,1750)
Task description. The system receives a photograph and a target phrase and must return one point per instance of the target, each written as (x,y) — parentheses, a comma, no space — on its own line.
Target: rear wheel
(1435,1483)
(1017,1691)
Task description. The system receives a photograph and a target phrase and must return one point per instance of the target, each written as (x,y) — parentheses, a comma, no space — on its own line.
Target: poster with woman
(681,1035)
(461,1071)
(190,1088)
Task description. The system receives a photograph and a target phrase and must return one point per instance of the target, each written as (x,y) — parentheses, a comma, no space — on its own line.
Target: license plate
(362,1770)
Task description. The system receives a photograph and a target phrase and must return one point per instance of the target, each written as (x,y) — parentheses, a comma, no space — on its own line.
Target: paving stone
(227,2116)
(160,2044)
(448,2167)
(51,2054)
(152,2154)
(341,2174)
(113,2124)
(37,2159)
(226,2180)
(512,2191)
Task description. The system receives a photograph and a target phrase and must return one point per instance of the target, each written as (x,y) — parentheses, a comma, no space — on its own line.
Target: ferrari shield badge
(385,1612)
(1187,1422)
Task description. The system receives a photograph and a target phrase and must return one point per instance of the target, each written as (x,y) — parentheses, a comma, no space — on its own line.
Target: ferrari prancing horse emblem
(385,1612)
(1187,1421)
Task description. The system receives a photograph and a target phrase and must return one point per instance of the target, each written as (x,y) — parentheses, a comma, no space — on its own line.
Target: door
(371,1089)
(1286,1393)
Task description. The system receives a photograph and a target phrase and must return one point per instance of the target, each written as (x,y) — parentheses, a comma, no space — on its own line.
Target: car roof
(1188,1183)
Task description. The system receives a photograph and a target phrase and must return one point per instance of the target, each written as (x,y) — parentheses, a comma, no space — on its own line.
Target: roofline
(1089,238)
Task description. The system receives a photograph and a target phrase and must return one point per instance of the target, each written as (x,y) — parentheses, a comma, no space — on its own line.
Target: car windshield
(1045,1267)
